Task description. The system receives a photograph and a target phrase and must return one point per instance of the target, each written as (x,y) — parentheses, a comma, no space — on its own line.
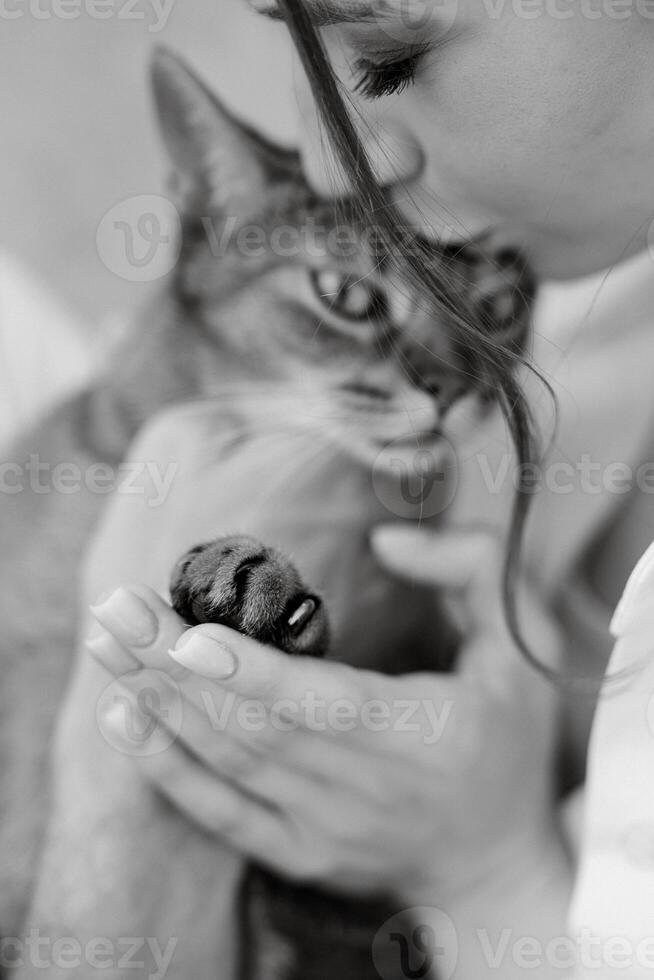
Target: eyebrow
(325,13)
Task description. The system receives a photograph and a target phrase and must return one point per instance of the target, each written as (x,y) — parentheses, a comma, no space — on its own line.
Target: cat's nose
(442,382)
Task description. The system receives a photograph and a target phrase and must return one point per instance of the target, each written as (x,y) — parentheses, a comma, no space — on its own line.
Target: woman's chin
(562,258)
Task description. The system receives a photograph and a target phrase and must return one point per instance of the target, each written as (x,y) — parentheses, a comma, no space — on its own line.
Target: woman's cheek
(513,108)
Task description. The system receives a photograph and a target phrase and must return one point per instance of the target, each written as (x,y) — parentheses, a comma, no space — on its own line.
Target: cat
(230,323)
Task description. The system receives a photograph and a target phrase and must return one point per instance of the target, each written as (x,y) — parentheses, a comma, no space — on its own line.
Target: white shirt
(612,913)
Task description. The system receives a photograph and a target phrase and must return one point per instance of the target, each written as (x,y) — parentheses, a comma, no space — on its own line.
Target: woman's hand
(427,785)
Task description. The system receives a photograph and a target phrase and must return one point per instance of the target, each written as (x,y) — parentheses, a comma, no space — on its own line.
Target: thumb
(466,563)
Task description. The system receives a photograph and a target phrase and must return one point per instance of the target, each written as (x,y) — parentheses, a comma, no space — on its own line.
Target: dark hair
(490,362)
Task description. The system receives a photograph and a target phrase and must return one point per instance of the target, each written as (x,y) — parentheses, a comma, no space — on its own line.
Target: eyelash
(376,79)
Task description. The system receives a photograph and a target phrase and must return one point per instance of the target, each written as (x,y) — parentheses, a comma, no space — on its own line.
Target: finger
(254,670)
(240,738)
(323,701)
(236,744)
(245,822)
(143,625)
(152,632)
(268,831)
(466,564)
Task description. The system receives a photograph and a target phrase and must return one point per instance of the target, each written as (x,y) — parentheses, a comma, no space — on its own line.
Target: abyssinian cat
(350,343)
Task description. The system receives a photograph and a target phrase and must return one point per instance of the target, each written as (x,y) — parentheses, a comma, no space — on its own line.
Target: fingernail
(103,596)
(128,617)
(114,658)
(204,655)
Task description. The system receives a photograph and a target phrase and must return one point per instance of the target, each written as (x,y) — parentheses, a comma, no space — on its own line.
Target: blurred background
(78,130)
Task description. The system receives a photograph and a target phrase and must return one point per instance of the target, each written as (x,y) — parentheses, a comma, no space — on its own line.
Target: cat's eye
(349,297)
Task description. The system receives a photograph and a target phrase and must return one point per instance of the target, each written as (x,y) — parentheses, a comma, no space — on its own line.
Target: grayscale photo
(327,490)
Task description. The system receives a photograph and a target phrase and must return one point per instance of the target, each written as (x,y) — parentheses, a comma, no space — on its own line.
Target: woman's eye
(349,297)
(389,76)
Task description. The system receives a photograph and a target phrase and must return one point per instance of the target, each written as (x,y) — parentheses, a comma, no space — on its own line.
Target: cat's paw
(241,583)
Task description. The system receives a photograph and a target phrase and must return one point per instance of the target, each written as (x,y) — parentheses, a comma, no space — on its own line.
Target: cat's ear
(220,162)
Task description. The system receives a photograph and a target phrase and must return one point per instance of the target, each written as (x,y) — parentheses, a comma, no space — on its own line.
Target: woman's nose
(395,154)
(398,158)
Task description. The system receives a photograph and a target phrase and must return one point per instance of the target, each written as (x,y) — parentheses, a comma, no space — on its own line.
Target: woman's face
(531,117)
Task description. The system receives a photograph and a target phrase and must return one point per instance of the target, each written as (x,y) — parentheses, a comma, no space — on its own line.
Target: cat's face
(291,288)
